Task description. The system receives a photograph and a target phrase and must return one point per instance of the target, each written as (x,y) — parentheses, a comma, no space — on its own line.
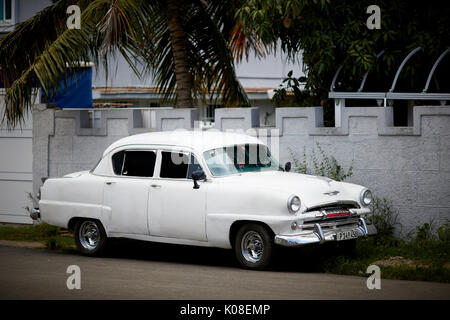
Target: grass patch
(52,237)
(426,260)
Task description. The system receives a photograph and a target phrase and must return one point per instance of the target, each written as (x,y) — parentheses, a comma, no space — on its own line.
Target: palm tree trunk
(182,75)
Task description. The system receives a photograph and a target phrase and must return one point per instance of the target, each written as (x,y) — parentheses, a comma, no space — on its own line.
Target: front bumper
(318,235)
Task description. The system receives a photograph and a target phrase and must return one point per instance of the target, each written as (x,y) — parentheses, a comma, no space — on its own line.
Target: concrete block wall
(236,118)
(62,142)
(410,166)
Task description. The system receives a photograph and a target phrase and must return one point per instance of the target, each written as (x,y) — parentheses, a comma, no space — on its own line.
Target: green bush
(384,216)
(444,232)
(323,165)
(424,233)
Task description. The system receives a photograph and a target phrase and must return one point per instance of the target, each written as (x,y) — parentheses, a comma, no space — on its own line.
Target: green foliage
(331,33)
(427,232)
(50,243)
(290,93)
(323,165)
(58,243)
(428,261)
(425,261)
(384,216)
(43,50)
(28,233)
(46,230)
(444,232)
(49,235)
(424,233)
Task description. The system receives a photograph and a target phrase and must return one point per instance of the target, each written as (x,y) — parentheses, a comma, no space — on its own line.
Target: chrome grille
(332,216)
(331,223)
(335,206)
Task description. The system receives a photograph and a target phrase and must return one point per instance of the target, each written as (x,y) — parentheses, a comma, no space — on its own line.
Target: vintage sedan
(206,189)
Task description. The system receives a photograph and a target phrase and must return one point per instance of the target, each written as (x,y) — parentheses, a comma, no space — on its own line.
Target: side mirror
(287,167)
(198,175)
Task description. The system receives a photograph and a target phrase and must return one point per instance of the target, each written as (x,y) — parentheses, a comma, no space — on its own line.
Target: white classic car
(206,189)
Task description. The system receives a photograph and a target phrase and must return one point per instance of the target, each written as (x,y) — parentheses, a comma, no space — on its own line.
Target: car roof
(199,141)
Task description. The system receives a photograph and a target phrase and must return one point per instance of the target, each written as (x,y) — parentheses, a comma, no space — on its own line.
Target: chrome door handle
(109,183)
(156,186)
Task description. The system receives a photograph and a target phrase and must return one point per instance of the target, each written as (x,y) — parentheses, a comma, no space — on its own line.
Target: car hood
(312,190)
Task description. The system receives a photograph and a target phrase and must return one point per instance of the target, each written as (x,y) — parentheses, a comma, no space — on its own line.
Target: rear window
(134,163)
(117,162)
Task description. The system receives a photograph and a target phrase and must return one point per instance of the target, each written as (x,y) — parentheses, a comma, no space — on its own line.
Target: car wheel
(253,246)
(90,237)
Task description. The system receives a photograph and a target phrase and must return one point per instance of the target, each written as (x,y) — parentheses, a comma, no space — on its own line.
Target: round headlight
(293,204)
(366,197)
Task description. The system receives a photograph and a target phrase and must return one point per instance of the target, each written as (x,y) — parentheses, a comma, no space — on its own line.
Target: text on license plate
(345,235)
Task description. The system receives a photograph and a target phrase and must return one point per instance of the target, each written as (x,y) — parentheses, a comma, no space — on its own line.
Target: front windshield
(240,158)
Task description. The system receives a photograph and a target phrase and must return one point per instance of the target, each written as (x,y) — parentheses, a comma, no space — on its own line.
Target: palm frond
(208,54)
(27,55)
(51,58)
(42,49)
(243,43)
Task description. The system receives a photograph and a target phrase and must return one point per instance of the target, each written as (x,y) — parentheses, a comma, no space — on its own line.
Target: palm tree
(182,43)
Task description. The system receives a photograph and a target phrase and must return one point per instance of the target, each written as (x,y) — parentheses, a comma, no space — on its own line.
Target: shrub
(444,232)
(384,217)
(424,232)
(323,165)
(427,232)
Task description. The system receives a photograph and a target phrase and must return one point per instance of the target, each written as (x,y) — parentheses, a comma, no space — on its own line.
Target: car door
(126,193)
(176,209)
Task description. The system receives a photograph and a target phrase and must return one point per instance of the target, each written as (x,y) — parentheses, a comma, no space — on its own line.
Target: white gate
(16,177)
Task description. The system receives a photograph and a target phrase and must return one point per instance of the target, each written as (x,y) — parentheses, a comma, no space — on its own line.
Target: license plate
(345,235)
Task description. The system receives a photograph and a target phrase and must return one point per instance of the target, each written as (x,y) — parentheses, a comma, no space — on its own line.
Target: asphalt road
(177,272)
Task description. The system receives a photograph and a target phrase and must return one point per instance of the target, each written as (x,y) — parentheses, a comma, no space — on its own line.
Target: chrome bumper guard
(318,235)
(35,213)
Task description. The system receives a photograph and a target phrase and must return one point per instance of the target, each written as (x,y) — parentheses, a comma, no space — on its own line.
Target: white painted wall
(267,72)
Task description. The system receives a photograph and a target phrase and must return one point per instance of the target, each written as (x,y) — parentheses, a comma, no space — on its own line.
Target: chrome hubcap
(252,246)
(89,235)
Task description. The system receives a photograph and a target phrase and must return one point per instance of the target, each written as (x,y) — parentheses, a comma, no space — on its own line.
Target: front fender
(218,226)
